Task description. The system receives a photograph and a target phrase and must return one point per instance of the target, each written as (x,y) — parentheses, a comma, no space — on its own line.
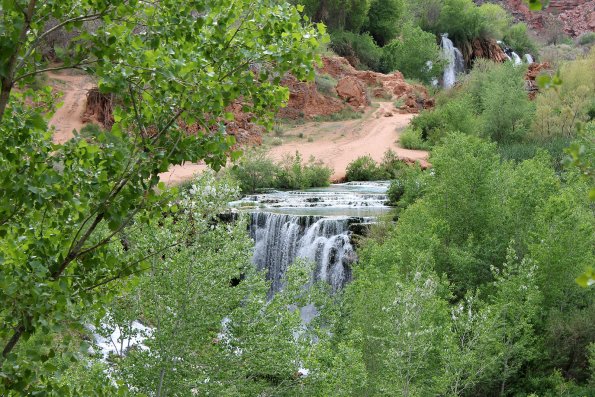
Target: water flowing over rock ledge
(316,225)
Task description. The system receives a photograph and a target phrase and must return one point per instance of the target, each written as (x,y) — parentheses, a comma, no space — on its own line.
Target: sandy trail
(335,143)
(69,116)
(339,143)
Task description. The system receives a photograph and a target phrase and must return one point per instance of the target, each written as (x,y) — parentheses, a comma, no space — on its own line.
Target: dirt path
(69,116)
(335,143)
(339,143)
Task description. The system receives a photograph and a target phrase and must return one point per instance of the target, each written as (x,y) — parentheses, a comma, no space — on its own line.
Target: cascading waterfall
(528,58)
(281,238)
(516,58)
(455,62)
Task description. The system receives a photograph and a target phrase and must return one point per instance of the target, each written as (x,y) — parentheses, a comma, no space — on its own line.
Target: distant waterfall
(455,62)
(528,58)
(516,58)
(281,238)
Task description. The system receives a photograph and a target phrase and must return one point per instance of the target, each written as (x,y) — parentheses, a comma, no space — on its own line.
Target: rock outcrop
(352,91)
(575,16)
(414,97)
(534,70)
(305,101)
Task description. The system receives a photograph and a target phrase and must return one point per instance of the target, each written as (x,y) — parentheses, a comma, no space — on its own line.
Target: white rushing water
(315,225)
(528,58)
(516,58)
(455,63)
(342,199)
(281,238)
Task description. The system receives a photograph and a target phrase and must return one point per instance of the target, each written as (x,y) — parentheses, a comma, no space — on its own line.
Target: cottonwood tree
(63,208)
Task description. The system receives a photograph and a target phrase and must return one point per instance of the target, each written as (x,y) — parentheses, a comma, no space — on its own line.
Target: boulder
(352,91)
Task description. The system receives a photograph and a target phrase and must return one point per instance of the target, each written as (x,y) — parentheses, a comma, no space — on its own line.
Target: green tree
(383,20)
(64,207)
(460,19)
(214,331)
(517,37)
(411,53)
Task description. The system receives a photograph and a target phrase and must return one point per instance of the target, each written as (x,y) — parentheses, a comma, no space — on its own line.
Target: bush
(517,37)
(494,21)
(454,115)
(255,171)
(363,168)
(411,139)
(325,84)
(358,48)
(558,54)
(407,187)
(316,173)
(411,53)
(460,19)
(293,174)
(520,151)
(559,110)
(391,165)
(587,38)
(507,110)
(383,20)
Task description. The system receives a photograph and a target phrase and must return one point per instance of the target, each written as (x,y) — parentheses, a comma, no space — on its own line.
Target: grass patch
(345,114)
(326,84)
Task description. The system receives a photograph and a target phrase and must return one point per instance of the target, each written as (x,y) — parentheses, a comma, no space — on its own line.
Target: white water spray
(454,59)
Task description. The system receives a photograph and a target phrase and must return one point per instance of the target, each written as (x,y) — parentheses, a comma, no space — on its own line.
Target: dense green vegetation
(256,171)
(365,168)
(472,291)
(65,209)
(404,34)
(491,102)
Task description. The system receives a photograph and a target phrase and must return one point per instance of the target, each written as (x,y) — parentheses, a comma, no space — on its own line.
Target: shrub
(358,48)
(326,84)
(407,187)
(316,173)
(364,168)
(558,54)
(411,53)
(460,19)
(507,110)
(587,38)
(391,165)
(559,110)
(411,139)
(520,151)
(255,171)
(276,141)
(454,115)
(494,21)
(383,20)
(517,37)
(293,174)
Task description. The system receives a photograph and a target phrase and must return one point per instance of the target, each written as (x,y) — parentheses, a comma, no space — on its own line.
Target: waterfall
(528,58)
(281,238)
(516,58)
(455,62)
